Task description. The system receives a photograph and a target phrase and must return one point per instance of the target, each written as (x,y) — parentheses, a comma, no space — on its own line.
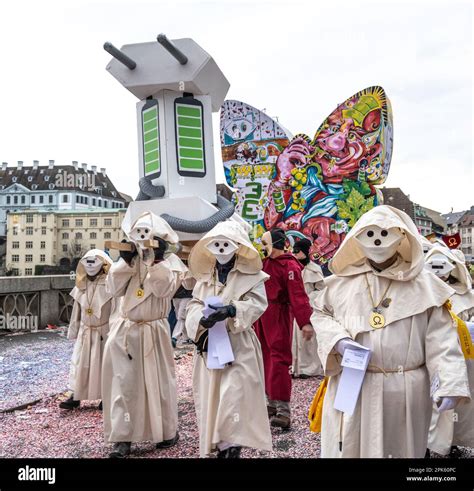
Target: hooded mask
(222,248)
(303,246)
(351,257)
(379,244)
(93,260)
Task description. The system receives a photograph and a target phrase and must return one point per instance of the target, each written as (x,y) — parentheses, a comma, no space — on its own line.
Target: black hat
(278,238)
(303,245)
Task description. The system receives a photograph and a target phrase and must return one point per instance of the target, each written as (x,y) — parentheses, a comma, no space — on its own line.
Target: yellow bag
(315,415)
(463,333)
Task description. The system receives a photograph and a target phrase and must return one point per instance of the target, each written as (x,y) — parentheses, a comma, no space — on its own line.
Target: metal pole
(119,56)
(172,49)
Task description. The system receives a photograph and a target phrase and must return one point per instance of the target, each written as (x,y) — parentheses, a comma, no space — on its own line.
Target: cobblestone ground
(43,430)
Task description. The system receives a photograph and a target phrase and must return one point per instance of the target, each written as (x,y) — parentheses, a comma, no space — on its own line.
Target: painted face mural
(315,188)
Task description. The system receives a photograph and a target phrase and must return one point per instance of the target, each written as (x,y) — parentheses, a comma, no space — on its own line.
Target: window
(78,235)
(29,218)
(28,271)
(34,186)
(78,248)
(65,198)
(16,272)
(93,201)
(92,246)
(29,230)
(86,200)
(64,247)
(93,222)
(50,198)
(51,186)
(42,258)
(107,222)
(15,230)
(41,198)
(29,258)
(107,235)
(100,202)
(43,244)
(8,200)
(23,200)
(65,223)
(78,198)
(14,179)
(29,244)
(43,230)
(46,178)
(15,200)
(106,204)
(79,222)
(15,245)
(30,178)
(43,219)
(15,258)
(93,235)
(65,235)
(33,199)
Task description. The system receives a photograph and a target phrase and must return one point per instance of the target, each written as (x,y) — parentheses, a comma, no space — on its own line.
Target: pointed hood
(159,227)
(81,274)
(350,260)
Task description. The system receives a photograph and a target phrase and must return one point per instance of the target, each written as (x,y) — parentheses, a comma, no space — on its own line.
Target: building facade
(39,238)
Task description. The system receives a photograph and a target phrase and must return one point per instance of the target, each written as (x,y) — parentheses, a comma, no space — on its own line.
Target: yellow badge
(376,320)
(89,311)
(139,293)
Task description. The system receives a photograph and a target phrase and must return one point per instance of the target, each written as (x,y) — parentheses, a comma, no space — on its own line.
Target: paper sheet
(354,363)
(219,349)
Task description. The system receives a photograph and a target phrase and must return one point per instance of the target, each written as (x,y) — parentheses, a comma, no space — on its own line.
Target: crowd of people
(405,300)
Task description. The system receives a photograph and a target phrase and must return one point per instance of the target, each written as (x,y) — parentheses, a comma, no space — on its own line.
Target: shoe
(229,453)
(70,403)
(271,411)
(99,407)
(281,421)
(121,450)
(455,453)
(168,443)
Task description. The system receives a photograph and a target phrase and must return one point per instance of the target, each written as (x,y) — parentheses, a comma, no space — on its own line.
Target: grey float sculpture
(178,85)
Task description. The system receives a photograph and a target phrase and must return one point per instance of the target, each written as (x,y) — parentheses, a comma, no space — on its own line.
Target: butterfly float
(315,188)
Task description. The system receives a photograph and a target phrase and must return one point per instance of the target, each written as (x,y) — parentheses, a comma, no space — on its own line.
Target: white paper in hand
(354,363)
(219,349)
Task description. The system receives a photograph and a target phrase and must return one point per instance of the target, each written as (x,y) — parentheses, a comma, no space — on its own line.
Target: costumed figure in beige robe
(230,400)
(305,351)
(382,298)
(138,376)
(180,303)
(455,427)
(89,326)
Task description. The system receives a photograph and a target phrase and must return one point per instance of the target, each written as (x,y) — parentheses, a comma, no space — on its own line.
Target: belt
(140,324)
(386,371)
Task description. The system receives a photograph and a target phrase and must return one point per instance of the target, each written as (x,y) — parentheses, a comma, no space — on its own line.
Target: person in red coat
(287,301)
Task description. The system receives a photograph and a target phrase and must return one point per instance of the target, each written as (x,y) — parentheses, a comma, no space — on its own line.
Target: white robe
(230,403)
(392,415)
(90,332)
(305,353)
(138,377)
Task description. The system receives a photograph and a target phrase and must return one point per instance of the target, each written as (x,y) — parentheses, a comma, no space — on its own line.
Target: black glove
(206,322)
(161,249)
(201,343)
(221,313)
(127,256)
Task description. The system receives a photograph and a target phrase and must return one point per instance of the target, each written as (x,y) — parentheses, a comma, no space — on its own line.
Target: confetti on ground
(43,430)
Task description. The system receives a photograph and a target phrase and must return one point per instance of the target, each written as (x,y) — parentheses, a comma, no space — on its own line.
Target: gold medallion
(89,311)
(376,320)
(139,293)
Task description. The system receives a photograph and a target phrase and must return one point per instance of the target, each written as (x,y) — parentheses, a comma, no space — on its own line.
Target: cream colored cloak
(393,412)
(305,353)
(230,403)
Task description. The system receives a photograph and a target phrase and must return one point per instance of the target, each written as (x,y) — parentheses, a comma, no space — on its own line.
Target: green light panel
(190,138)
(151,140)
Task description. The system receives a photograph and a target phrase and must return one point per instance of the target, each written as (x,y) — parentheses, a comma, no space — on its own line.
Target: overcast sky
(297,59)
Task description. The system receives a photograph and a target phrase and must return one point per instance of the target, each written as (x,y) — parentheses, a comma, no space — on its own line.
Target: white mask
(141,232)
(379,244)
(267,244)
(440,265)
(224,249)
(92,265)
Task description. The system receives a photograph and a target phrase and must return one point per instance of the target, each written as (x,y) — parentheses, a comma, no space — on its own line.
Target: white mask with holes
(379,244)
(440,265)
(223,249)
(92,265)
(141,232)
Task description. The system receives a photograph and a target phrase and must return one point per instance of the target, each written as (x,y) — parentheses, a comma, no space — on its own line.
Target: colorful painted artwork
(314,188)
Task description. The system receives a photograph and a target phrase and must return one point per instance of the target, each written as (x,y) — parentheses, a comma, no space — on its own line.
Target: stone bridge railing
(45,299)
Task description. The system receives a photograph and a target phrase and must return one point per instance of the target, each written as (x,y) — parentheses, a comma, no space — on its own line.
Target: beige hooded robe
(393,411)
(456,426)
(305,353)
(230,402)
(138,376)
(90,329)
